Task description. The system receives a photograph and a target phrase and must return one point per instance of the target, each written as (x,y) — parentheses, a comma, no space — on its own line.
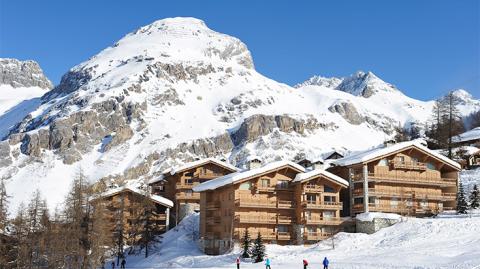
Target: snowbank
(369,216)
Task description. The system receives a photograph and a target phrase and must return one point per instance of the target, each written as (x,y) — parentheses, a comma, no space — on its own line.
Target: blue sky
(423,47)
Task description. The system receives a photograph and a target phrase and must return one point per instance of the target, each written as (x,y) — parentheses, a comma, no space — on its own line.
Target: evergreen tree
(5,247)
(461,201)
(246,244)
(474,198)
(149,228)
(258,252)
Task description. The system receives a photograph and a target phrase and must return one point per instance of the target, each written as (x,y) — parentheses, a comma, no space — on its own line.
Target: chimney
(388,143)
(254,163)
(317,165)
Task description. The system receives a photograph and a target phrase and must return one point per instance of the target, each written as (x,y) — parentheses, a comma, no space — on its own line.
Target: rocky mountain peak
(18,73)
(365,84)
(331,82)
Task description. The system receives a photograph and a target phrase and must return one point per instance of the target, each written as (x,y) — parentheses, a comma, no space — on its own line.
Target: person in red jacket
(305,264)
(238,262)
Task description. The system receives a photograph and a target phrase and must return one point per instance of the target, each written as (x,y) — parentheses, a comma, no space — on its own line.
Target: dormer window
(328,189)
(282,184)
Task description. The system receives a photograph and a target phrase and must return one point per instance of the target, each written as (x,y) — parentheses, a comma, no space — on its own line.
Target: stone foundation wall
(370,227)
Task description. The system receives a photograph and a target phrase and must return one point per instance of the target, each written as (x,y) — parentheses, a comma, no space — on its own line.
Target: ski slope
(448,242)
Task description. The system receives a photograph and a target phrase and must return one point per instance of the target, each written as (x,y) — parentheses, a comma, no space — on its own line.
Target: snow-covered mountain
(175,90)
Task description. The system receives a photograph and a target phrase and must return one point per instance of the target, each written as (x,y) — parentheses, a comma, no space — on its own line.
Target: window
(431,166)
(245,186)
(401,159)
(308,215)
(159,188)
(424,204)
(188,181)
(328,189)
(282,229)
(265,182)
(311,229)
(383,162)
(329,198)
(414,160)
(358,201)
(328,214)
(311,198)
(282,184)
(189,174)
(188,193)
(394,202)
(372,200)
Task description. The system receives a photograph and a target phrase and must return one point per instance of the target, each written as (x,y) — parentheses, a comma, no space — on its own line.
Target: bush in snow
(474,198)
(246,243)
(258,252)
(461,201)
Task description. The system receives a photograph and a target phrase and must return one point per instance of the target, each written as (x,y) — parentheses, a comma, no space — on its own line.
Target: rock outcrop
(348,111)
(22,74)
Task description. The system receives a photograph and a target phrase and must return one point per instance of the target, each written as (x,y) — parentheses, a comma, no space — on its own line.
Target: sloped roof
(238,176)
(311,174)
(190,165)
(473,134)
(375,153)
(154,197)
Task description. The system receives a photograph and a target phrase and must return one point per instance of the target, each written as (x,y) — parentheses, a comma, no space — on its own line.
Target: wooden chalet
(280,200)
(405,178)
(176,184)
(123,206)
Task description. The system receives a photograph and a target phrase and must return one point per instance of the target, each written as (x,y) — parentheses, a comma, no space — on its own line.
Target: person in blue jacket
(325,263)
(267,263)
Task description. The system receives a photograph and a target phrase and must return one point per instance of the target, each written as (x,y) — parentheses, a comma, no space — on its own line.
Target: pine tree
(149,228)
(461,201)
(5,246)
(258,252)
(474,198)
(246,244)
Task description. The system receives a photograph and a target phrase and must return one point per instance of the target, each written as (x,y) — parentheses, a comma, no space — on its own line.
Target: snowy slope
(176,90)
(413,243)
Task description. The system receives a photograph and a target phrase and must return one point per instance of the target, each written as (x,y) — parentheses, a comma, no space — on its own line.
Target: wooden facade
(121,210)
(408,181)
(177,185)
(273,203)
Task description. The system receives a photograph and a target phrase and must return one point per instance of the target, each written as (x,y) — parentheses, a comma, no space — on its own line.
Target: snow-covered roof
(307,175)
(470,135)
(202,162)
(330,153)
(370,154)
(238,176)
(154,197)
(174,170)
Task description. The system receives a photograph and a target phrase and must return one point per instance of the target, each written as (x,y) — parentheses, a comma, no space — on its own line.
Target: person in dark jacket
(305,264)
(238,262)
(122,264)
(325,263)
(113,265)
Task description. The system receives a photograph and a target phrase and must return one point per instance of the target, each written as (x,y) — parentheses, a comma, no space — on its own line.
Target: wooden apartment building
(122,208)
(281,200)
(176,184)
(404,178)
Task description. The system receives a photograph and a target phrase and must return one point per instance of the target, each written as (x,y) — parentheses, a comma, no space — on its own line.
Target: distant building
(123,206)
(404,178)
(469,138)
(474,159)
(176,184)
(279,200)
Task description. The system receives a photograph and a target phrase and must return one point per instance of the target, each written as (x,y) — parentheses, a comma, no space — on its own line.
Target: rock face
(348,112)
(22,74)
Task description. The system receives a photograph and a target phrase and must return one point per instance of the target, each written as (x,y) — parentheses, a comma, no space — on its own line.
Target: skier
(238,262)
(122,264)
(305,264)
(325,263)
(267,263)
(113,265)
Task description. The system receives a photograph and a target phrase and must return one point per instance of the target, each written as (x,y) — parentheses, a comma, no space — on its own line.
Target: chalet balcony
(322,221)
(316,236)
(207,175)
(265,235)
(261,188)
(256,219)
(213,205)
(323,205)
(400,178)
(312,189)
(284,220)
(184,196)
(187,186)
(212,220)
(283,236)
(286,204)
(408,165)
(255,203)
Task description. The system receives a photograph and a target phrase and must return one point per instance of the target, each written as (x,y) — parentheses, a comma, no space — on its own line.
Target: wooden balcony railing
(207,175)
(400,178)
(191,196)
(284,220)
(408,165)
(212,205)
(283,236)
(261,188)
(255,203)
(323,205)
(256,219)
(312,189)
(285,204)
(323,221)
(315,236)
(186,185)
